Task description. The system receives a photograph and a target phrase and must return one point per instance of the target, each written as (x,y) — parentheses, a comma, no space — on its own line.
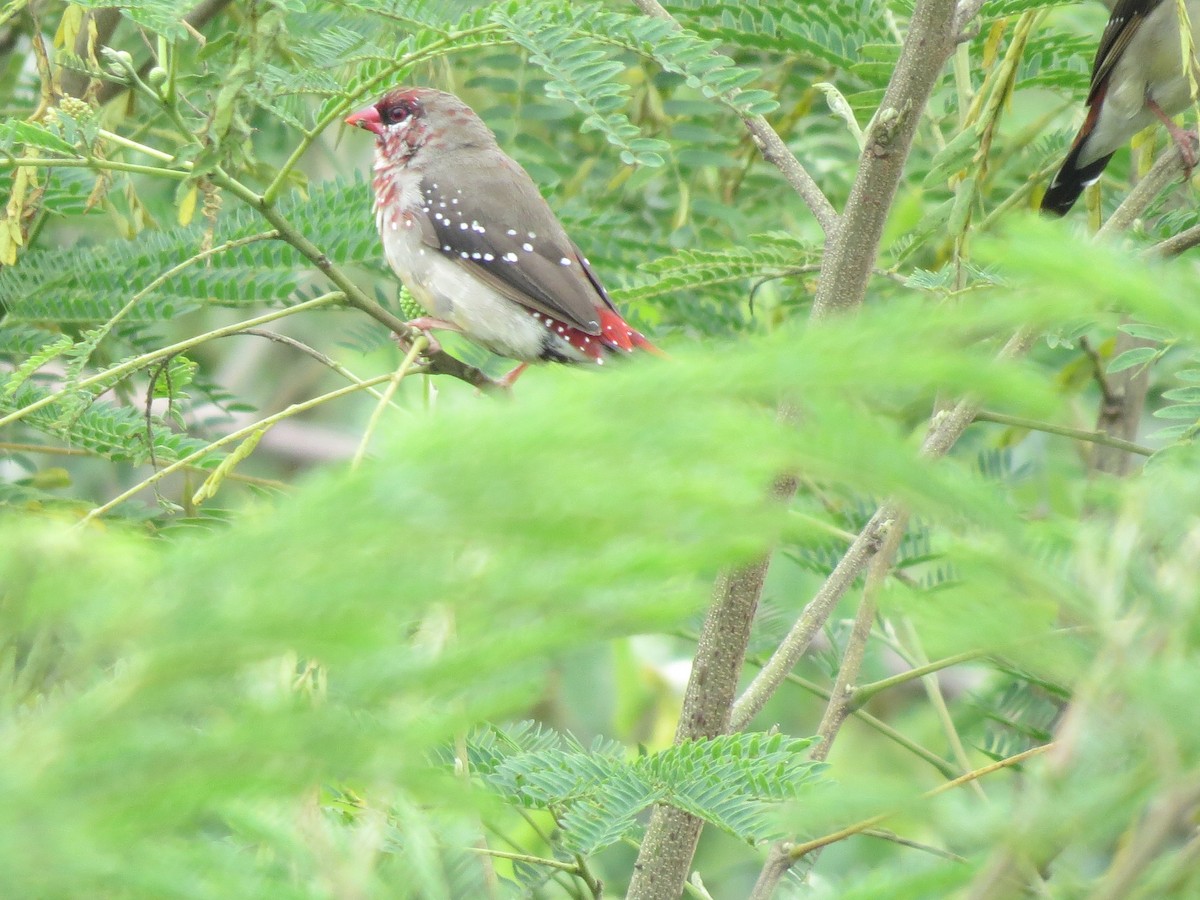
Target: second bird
(1138,78)
(465,229)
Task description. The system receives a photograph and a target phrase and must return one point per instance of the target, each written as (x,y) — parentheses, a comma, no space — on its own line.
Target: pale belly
(449,292)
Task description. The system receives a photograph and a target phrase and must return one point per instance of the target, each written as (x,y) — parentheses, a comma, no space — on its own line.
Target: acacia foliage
(307,686)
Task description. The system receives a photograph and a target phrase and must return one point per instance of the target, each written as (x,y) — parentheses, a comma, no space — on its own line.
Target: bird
(1138,77)
(466,230)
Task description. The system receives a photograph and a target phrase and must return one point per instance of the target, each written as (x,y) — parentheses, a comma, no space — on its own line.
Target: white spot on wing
(510,257)
(527,247)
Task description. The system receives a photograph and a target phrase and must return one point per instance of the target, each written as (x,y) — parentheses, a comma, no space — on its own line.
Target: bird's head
(406,119)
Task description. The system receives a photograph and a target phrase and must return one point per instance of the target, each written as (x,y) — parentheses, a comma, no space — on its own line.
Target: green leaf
(1130,358)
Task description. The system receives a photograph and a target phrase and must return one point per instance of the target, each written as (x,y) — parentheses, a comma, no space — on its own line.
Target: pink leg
(1185,140)
(425,324)
(509,379)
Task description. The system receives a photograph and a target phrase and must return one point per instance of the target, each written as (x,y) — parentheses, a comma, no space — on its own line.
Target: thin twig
(402,370)
(145,359)
(324,359)
(1079,434)
(240,434)
(944,431)
(798,850)
(843,699)
(19,447)
(784,856)
(894,838)
(527,858)
(863,693)
(773,149)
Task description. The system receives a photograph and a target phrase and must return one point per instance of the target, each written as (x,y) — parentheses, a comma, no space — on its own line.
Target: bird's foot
(425,325)
(510,379)
(1187,141)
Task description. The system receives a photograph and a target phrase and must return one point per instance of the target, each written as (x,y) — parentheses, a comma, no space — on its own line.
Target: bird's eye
(397,113)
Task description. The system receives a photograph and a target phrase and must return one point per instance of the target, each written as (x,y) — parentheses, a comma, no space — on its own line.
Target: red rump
(615,334)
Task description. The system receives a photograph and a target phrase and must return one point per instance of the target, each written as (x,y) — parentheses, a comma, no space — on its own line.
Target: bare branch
(670,842)
(1166,169)
(850,251)
(1176,244)
(967,10)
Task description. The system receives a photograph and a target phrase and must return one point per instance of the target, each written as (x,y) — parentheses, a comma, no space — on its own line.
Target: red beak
(366,118)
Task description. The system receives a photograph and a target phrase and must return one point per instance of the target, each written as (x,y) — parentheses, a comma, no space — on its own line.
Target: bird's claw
(425,325)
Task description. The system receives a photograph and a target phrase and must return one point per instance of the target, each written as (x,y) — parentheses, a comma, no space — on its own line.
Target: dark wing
(506,234)
(1127,16)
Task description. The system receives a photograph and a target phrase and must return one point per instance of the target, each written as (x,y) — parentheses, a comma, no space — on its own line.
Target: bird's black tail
(1070,181)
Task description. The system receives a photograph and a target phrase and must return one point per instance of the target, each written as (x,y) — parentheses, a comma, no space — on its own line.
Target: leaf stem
(864,693)
(13,162)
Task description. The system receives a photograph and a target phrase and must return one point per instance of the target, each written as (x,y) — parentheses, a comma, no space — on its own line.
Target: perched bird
(465,229)
(1138,77)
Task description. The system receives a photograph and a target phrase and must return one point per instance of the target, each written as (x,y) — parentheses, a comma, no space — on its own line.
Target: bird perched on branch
(1138,77)
(465,229)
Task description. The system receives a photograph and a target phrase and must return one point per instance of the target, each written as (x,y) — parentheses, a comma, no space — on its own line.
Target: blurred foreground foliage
(451,671)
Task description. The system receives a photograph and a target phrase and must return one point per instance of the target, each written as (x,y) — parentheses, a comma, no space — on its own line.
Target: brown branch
(1176,244)
(1124,398)
(851,250)
(670,843)
(1120,411)
(1167,168)
(72,82)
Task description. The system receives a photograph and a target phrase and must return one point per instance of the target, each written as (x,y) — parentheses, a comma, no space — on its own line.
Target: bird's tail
(1070,181)
(618,334)
(1072,178)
